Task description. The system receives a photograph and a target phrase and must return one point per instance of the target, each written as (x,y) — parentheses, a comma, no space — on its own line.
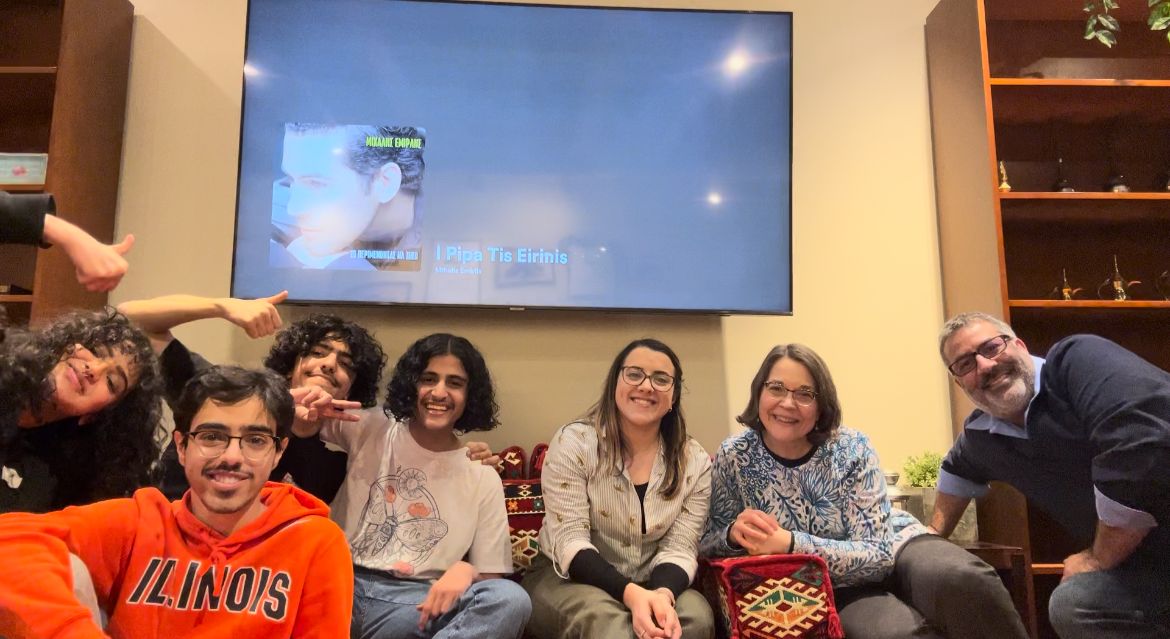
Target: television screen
(411,152)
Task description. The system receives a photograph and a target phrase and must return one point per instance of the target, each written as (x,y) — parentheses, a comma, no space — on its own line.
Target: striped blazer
(587,505)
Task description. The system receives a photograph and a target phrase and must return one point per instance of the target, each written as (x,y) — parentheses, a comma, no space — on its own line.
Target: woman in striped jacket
(625,491)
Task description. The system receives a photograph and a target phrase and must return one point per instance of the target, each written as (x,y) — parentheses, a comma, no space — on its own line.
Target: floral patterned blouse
(835,504)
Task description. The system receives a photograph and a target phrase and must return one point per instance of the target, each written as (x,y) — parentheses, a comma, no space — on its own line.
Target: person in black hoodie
(333,367)
(80,407)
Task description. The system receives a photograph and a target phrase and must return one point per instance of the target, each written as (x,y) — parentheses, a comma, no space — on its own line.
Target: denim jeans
(387,608)
(1130,601)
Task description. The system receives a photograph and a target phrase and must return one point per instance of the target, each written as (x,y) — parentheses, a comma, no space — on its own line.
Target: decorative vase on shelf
(898,496)
(1062,184)
(1117,184)
(1064,291)
(1115,287)
(1003,179)
(1163,284)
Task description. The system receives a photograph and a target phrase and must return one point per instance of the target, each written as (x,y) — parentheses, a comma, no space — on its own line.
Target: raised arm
(29,219)
(99,266)
(157,316)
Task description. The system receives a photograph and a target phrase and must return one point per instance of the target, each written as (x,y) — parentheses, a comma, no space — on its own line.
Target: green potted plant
(1103,26)
(921,473)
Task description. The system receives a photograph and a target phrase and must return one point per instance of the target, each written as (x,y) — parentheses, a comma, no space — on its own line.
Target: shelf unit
(64,66)
(1015,82)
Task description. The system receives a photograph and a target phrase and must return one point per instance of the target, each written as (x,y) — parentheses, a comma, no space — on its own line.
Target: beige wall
(866,274)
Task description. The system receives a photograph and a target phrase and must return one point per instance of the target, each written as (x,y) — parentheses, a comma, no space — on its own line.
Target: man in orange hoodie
(235,557)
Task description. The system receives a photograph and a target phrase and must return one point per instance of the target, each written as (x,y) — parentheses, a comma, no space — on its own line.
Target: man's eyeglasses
(254,446)
(659,381)
(802,396)
(990,349)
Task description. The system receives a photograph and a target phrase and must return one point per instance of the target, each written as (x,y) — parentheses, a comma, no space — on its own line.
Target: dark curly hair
(299,338)
(111,454)
(828,407)
(481,411)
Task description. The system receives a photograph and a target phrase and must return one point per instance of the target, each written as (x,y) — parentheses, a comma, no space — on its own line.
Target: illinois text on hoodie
(161,573)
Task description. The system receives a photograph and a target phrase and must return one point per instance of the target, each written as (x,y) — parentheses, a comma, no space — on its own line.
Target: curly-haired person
(332,366)
(79,412)
(237,557)
(427,528)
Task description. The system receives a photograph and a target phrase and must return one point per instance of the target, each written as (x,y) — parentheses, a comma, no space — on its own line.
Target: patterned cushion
(525,505)
(512,463)
(537,460)
(771,597)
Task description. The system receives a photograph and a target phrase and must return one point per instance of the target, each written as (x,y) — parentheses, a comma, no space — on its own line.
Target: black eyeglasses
(802,396)
(254,446)
(990,349)
(659,381)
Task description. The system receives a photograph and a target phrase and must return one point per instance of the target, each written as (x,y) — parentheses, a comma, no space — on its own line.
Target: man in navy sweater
(1085,435)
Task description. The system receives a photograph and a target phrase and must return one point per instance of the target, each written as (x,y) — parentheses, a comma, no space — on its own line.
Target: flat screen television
(535,156)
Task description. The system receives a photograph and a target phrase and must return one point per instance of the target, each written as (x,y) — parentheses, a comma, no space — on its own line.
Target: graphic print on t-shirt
(401,521)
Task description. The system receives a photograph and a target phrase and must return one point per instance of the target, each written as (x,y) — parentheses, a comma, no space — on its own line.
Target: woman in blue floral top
(799,482)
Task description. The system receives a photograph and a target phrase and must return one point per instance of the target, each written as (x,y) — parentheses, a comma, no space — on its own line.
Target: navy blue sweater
(1100,418)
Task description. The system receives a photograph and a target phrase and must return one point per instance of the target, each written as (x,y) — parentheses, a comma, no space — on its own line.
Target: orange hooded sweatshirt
(161,573)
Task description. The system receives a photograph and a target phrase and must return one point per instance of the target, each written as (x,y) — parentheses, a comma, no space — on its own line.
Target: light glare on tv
(452,153)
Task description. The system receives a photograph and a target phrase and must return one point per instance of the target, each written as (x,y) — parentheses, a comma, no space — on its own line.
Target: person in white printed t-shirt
(427,526)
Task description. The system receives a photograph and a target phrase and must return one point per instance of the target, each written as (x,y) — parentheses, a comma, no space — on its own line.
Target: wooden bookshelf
(1015,82)
(66,64)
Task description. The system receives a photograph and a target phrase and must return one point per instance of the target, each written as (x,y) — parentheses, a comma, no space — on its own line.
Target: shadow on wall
(549,366)
(177,192)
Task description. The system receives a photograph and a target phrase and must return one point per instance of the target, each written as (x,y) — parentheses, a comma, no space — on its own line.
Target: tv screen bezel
(573,308)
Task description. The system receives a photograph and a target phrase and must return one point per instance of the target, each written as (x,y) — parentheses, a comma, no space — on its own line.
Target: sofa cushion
(525,505)
(771,597)
(512,463)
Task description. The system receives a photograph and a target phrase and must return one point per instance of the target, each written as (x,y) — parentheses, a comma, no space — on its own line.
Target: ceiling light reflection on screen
(736,63)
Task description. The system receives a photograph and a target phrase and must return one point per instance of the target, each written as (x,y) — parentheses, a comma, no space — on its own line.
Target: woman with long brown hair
(625,493)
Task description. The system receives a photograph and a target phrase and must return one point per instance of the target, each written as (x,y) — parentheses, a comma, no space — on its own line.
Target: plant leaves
(1106,38)
(922,470)
(1159,16)
(1154,2)
(1091,28)
(1109,22)
(1090,6)
(1111,4)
